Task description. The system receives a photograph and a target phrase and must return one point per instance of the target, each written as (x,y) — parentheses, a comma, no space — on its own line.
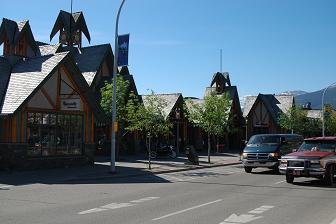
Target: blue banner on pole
(123,43)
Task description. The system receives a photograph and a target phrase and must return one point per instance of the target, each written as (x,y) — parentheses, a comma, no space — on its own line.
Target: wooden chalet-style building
(173,112)
(262,113)
(220,84)
(50,94)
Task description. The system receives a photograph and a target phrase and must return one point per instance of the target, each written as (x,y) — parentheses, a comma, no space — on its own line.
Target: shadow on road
(97,174)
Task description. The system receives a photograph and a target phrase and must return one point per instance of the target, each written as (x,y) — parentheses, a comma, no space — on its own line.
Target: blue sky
(269,46)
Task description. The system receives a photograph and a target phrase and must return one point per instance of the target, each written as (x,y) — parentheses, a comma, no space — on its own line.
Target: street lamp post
(324,91)
(114,96)
(246,130)
(177,117)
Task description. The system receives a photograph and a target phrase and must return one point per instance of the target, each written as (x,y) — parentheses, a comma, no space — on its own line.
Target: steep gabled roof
(29,75)
(127,76)
(14,31)
(222,78)
(275,104)
(26,76)
(249,102)
(70,23)
(169,99)
(90,59)
(231,91)
(5,70)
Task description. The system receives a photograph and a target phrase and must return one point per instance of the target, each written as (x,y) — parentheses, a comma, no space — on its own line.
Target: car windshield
(264,139)
(318,146)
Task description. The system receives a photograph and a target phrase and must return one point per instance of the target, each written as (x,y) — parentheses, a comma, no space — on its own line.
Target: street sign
(116,126)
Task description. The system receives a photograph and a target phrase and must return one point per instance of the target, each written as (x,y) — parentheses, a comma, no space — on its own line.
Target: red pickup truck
(316,157)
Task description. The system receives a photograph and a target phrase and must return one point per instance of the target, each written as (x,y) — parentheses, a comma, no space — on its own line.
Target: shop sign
(70,104)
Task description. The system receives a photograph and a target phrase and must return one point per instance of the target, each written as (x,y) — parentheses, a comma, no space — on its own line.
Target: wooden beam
(13,130)
(45,93)
(58,100)
(22,129)
(67,73)
(92,128)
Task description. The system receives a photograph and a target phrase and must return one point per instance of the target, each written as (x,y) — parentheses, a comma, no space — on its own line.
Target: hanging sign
(123,44)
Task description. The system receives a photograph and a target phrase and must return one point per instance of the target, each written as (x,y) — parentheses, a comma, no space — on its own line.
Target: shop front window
(51,134)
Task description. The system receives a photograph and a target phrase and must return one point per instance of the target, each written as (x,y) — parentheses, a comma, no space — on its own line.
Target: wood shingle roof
(26,76)
(275,104)
(169,99)
(89,59)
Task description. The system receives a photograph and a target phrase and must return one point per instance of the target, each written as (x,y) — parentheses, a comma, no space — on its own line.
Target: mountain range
(315,98)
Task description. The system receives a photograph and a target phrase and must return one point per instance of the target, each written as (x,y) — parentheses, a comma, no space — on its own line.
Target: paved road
(221,195)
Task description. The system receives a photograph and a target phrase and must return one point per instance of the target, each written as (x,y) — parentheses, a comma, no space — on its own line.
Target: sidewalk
(129,166)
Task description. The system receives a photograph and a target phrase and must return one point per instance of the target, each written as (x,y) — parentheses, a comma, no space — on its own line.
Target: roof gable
(275,104)
(90,59)
(169,99)
(14,31)
(26,76)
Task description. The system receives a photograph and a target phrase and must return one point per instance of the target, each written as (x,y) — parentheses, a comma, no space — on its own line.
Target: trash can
(192,155)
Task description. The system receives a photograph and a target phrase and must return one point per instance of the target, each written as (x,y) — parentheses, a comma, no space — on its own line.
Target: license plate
(296,172)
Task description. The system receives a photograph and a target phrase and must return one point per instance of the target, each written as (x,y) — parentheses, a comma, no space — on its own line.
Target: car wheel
(248,169)
(329,175)
(289,178)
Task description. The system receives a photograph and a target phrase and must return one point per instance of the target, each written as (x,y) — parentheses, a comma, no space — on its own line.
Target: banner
(123,43)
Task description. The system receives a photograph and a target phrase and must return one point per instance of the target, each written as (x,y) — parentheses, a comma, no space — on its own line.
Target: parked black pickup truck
(265,150)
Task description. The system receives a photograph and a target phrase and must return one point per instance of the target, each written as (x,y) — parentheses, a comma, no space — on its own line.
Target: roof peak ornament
(70,26)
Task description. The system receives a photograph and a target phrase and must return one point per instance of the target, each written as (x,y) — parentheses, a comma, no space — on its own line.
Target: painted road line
(245,218)
(144,199)
(113,206)
(116,205)
(171,177)
(94,210)
(333,222)
(188,209)
(279,182)
(261,209)
(240,219)
(5,187)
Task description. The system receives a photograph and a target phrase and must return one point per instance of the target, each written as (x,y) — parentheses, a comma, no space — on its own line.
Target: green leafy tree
(149,117)
(329,119)
(295,120)
(122,96)
(213,116)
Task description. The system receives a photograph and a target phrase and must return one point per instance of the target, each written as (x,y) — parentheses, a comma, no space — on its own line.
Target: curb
(116,176)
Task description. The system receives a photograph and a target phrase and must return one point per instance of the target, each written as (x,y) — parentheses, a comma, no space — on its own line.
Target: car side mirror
(294,150)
